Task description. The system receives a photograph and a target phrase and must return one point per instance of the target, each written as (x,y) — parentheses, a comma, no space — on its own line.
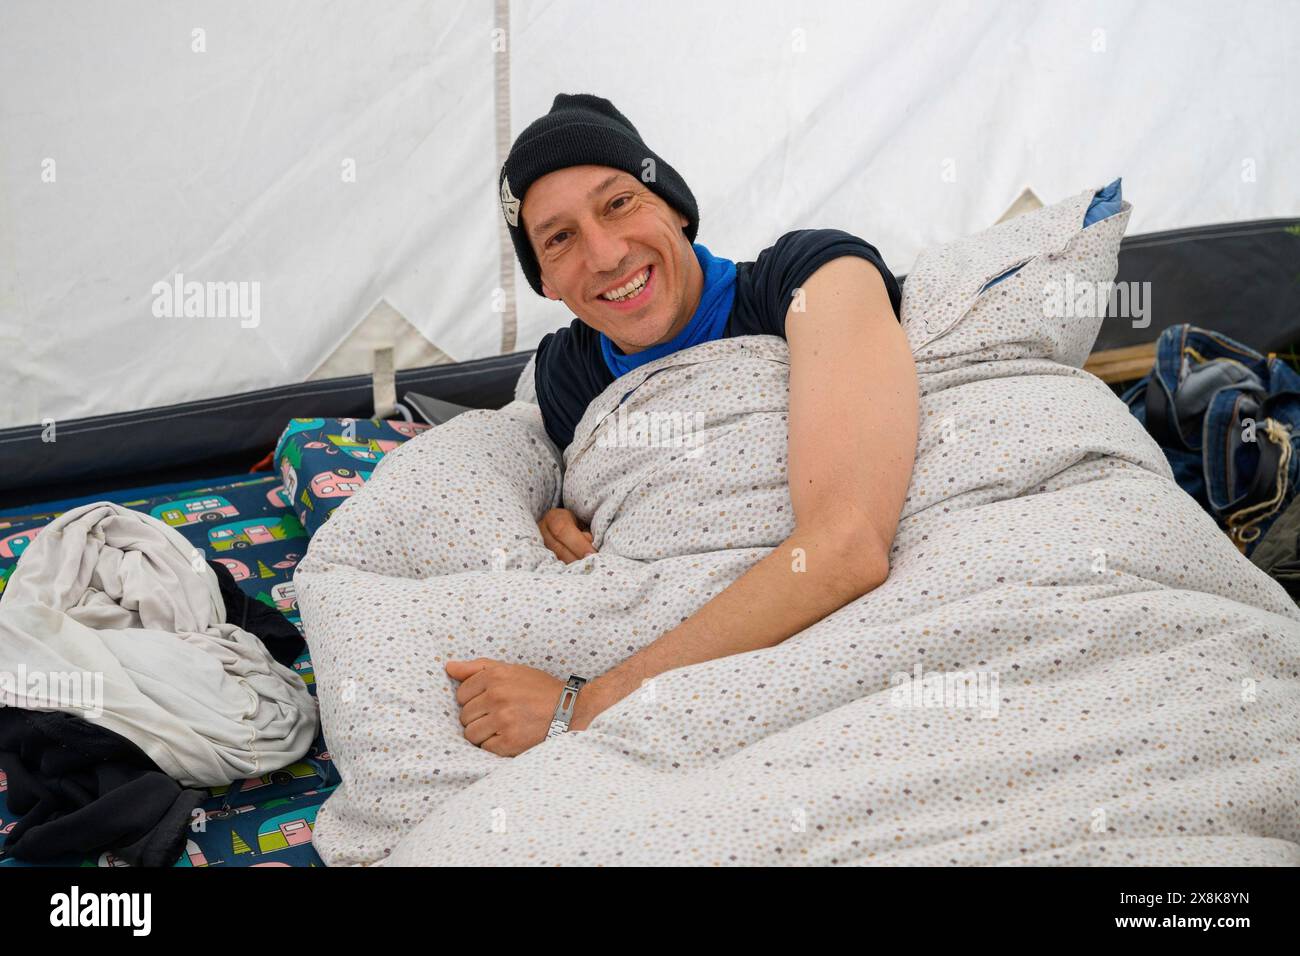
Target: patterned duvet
(1069,663)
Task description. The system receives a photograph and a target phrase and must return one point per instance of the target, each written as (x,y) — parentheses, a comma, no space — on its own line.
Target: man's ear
(549,292)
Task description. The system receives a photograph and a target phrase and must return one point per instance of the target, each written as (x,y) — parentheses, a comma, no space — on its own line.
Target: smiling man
(604,225)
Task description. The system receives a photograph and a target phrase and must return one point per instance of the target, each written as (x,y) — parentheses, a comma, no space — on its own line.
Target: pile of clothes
(1228,421)
(134,674)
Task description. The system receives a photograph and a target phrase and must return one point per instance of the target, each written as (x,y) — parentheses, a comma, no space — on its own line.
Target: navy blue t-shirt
(570,371)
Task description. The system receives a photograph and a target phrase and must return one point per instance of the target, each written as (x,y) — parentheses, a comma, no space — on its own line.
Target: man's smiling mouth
(629,290)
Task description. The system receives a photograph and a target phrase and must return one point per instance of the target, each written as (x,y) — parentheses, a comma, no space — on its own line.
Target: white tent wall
(905,123)
(230,164)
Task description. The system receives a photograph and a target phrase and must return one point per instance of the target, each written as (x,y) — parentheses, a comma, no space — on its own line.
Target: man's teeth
(631,289)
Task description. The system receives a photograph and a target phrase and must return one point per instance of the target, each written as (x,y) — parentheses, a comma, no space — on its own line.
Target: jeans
(1228,420)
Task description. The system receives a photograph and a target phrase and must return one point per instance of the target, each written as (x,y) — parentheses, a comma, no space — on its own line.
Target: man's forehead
(595,179)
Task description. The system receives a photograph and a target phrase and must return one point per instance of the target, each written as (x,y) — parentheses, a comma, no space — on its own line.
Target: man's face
(594,230)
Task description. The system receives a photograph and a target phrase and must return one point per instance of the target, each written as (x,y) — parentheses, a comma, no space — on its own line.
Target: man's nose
(606,252)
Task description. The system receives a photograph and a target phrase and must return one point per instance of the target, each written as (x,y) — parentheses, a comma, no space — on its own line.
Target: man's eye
(612,206)
(562,232)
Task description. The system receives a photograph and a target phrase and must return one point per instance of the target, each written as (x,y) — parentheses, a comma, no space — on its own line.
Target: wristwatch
(564,709)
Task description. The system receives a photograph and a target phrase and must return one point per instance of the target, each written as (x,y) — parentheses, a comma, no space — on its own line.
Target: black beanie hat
(582,129)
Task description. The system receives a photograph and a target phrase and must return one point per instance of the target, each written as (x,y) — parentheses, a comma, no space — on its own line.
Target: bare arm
(854,413)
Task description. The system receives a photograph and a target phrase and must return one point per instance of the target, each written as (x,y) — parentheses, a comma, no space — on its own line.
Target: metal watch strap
(564,709)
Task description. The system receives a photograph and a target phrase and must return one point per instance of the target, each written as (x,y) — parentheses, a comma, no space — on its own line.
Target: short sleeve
(770,282)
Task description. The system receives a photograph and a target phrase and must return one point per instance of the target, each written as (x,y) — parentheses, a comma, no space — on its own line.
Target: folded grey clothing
(111,615)
(83,789)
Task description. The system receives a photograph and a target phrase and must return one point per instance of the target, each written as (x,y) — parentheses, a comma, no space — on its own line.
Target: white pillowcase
(1042,311)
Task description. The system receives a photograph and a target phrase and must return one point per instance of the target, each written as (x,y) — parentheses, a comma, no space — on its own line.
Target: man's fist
(565,538)
(504,708)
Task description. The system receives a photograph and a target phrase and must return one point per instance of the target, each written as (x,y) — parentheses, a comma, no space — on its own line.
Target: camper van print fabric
(246,526)
(257,530)
(323,462)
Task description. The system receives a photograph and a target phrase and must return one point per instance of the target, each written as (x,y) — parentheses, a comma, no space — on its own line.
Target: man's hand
(507,708)
(564,536)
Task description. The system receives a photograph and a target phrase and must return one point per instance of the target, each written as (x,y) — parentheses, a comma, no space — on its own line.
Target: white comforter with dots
(1068,664)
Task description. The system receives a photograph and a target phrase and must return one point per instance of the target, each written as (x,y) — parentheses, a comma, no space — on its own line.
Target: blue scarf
(708,323)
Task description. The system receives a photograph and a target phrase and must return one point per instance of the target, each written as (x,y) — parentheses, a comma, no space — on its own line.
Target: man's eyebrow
(543,226)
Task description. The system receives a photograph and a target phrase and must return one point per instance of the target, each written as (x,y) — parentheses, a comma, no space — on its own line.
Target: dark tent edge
(216,436)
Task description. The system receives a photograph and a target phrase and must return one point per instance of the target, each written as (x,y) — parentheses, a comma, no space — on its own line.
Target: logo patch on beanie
(509,204)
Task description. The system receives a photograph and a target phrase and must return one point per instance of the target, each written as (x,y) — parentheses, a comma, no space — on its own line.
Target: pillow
(1105,204)
(323,461)
(526,386)
(1050,307)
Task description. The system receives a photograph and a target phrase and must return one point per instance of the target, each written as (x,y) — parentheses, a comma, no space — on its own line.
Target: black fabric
(279,635)
(1238,278)
(80,788)
(580,130)
(571,371)
(1278,552)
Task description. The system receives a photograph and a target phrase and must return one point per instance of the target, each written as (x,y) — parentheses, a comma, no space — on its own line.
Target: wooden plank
(1122,364)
